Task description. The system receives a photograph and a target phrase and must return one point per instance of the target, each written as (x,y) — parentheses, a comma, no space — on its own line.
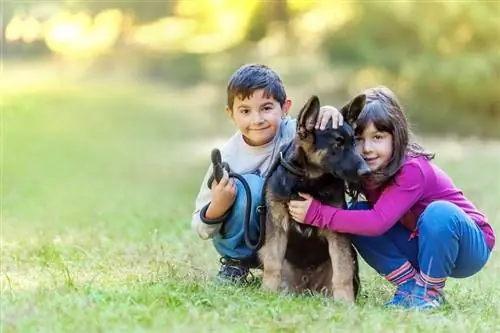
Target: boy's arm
(204,230)
(327,113)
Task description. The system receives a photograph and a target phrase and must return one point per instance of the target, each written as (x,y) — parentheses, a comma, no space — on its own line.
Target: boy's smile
(258,117)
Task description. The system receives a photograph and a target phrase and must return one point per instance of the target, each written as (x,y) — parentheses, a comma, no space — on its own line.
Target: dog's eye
(339,143)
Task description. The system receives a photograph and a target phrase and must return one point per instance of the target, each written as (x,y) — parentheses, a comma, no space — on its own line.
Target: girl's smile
(375,146)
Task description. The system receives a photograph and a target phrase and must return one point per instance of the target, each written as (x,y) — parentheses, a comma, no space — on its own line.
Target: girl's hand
(326,113)
(298,208)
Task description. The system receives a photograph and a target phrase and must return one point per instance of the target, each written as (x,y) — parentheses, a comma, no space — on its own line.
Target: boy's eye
(268,108)
(244,111)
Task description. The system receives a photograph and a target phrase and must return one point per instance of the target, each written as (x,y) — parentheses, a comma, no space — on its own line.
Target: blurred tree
(443,57)
(142,11)
(265,15)
(24,15)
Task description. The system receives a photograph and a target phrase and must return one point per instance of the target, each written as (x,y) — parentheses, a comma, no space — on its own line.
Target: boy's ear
(307,117)
(353,108)
(229,111)
(286,107)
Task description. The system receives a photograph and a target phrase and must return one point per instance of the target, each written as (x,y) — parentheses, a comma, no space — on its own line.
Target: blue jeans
(231,242)
(449,244)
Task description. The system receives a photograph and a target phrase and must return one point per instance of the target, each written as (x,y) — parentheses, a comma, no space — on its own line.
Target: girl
(416,228)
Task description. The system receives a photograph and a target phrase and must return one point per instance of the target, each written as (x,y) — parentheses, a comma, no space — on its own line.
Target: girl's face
(375,147)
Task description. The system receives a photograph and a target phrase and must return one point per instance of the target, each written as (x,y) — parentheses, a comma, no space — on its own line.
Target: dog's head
(330,150)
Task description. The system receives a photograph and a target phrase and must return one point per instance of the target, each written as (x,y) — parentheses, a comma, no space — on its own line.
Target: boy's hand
(326,113)
(223,196)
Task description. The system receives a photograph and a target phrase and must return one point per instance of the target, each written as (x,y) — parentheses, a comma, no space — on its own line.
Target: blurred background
(441,58)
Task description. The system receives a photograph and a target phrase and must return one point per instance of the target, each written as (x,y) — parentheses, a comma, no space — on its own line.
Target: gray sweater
(242,159)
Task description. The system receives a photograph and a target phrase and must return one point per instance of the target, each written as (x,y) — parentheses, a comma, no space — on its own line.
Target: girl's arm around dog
(394,202)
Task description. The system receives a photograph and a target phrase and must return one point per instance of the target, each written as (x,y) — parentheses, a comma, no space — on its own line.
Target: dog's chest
(303,230)
(306,248)
(326,189)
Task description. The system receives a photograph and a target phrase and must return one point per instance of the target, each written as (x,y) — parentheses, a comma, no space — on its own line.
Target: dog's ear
(353,108)
(308,116)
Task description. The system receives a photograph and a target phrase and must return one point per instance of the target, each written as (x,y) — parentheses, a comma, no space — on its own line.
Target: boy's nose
(256,118)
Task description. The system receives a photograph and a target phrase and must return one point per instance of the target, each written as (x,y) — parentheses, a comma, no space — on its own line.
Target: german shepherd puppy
(298,257)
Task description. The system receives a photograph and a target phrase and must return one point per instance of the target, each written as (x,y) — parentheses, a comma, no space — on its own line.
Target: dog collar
(289,167)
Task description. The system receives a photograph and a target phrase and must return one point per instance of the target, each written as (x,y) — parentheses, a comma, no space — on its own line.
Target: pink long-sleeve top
(419,183)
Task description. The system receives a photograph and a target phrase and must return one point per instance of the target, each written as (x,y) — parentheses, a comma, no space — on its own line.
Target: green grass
(97,192)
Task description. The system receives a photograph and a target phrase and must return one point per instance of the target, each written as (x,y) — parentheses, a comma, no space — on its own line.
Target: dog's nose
(363,171)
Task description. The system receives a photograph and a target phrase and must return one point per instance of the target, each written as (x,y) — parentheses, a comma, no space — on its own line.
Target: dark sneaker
(233,271)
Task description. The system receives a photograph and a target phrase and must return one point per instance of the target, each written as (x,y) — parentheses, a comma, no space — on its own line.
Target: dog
(298,257)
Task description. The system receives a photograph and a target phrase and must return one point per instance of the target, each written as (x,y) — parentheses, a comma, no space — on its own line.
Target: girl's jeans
(449,244)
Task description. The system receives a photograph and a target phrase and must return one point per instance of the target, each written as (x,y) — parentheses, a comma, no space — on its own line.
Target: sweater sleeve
(394,202)
(203,230)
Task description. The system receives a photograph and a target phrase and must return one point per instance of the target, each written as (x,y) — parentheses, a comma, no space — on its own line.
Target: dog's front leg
(339,247)
(272,253)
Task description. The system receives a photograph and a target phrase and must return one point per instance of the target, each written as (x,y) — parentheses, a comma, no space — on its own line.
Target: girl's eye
(378,137)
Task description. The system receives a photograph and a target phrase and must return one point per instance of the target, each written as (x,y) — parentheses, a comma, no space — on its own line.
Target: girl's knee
(441,207)
(439,216)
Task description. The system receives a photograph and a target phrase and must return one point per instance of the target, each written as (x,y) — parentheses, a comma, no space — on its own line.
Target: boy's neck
(248,142)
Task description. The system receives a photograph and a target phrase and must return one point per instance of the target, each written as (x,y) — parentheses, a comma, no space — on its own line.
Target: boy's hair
(384,110)
(251,77)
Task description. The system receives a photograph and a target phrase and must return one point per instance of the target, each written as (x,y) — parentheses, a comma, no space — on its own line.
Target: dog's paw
(285,288)
(344,295)
(271,285)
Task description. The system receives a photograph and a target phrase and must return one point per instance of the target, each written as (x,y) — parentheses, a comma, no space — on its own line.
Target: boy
(258,105)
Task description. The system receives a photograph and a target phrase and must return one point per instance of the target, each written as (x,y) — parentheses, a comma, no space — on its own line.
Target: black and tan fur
(298,257)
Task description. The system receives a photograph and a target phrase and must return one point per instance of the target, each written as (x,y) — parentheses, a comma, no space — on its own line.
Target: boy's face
(258,117)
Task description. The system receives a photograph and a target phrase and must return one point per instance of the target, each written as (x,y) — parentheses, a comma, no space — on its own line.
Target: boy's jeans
(449,244)
(230,243)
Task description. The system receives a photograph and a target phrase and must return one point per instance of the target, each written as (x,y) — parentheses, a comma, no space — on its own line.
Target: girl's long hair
(385,112)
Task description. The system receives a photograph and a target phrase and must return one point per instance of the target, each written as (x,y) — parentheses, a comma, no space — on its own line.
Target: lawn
(98,184)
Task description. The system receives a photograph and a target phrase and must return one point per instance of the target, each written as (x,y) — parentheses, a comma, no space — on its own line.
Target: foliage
(442,57)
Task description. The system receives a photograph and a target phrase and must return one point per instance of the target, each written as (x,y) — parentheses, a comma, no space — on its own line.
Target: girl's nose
(367,146)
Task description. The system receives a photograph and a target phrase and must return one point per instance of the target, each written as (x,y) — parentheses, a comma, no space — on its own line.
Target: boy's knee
(439,217)
(254,183)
